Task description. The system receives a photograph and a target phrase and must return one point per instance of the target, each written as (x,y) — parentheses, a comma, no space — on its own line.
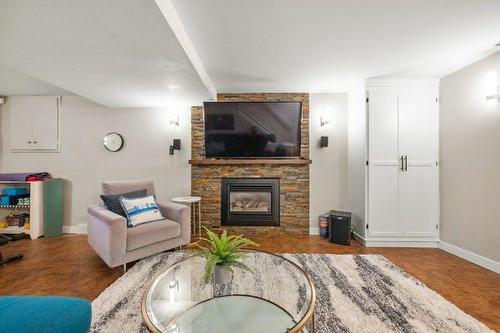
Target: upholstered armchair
(117,244)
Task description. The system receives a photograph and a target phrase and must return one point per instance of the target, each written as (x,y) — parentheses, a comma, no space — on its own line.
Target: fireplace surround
(250,202)
(207,173)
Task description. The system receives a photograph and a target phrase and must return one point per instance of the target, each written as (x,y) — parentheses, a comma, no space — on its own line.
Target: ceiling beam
(168,10)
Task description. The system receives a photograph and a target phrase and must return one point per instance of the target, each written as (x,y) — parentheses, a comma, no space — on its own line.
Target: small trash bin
(339,227)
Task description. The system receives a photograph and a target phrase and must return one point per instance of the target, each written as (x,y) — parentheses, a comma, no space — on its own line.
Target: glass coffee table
(275,296)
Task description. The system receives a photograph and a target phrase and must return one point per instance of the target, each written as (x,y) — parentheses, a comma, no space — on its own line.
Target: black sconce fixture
(323,143)
(175,146)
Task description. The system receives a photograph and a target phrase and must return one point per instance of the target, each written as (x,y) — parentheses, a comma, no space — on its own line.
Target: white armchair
(117,244)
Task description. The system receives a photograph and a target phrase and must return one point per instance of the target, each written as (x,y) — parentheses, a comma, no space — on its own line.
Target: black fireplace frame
(255,219)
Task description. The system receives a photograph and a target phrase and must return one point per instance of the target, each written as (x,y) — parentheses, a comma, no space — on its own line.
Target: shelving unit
(35,209)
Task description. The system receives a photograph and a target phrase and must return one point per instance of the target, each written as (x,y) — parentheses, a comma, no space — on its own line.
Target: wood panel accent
(68,266)
(209,161)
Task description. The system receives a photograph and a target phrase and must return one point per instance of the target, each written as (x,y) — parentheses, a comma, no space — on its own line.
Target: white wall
(357,155)
(470,161)
(85,163)
(328,171)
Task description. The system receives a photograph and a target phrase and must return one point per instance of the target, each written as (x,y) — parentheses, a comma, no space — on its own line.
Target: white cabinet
(34,123)
(402,163)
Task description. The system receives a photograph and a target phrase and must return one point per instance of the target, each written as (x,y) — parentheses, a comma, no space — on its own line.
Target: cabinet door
(45,129)
(21,122)
(418,184)
(383,164)
(417,202)
(34,122)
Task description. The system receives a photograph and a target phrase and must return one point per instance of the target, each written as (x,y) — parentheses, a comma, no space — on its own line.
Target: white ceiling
(320,45)
(14,83)
(119,53)
(135,53)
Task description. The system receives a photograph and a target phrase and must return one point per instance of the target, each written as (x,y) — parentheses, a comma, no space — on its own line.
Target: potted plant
(223,254)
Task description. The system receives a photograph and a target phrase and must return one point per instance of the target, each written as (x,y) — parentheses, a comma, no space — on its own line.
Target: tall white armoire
(402,203)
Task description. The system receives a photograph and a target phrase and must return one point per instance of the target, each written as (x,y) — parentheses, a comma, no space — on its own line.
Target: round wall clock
(113,141)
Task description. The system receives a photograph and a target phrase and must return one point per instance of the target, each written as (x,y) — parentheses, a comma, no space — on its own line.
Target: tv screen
(252,129)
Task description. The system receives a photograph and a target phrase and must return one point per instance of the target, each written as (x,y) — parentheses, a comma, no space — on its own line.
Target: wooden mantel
(284,161)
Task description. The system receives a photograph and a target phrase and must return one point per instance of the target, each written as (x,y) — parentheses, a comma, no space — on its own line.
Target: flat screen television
(252,129)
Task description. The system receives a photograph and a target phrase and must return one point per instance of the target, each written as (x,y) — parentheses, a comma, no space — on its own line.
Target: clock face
(113,141)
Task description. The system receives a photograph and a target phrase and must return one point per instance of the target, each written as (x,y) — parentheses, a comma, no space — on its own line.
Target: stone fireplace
(250,202)
(290,210)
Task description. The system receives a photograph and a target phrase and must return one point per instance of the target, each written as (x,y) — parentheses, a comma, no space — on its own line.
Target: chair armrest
(107,234)
(180,214)
(105,215)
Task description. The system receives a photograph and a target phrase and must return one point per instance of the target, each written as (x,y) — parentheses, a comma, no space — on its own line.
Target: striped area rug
(355,293)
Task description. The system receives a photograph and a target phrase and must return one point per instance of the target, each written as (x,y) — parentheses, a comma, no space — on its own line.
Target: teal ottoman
(43,314)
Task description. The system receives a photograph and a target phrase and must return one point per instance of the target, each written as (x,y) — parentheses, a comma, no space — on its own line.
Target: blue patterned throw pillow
(113,201)
(140,210)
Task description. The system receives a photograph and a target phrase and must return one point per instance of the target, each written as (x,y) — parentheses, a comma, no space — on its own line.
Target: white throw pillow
(140,210)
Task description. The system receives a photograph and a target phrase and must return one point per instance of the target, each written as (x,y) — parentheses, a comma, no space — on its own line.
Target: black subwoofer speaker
(339,225)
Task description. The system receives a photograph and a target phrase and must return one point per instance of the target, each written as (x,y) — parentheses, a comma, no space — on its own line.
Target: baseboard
(313,231)
(401,243)
(395,242)
(75,229)
(470,256)
(359,238)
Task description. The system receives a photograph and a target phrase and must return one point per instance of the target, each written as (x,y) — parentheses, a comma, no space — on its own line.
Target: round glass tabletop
(275,296)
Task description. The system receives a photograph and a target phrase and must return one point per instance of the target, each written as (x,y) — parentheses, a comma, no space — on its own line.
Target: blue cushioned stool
(44,314)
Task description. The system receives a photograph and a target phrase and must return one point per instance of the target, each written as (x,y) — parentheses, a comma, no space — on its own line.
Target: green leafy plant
(225,251)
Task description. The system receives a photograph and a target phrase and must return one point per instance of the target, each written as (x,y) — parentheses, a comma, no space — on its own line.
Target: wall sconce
(494,99)
(175,146)
(323,142)
(323,121)
(175,121)
(493,88)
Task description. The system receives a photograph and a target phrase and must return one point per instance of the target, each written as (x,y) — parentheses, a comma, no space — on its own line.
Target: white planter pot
(221,275)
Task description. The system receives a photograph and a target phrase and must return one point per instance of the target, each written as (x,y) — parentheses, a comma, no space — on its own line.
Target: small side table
(192,201)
